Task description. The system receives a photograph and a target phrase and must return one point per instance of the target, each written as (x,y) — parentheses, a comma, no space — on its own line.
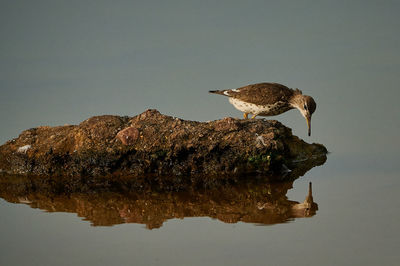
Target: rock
(24,149)
(128,136)
(152,147)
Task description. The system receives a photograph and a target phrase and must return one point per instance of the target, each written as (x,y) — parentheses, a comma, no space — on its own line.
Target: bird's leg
(245,115)
(254,116)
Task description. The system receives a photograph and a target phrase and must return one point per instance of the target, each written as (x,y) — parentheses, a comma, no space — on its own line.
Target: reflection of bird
(308,207)
(268,99)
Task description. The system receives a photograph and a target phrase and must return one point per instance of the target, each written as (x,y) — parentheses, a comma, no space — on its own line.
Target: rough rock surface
(156,148)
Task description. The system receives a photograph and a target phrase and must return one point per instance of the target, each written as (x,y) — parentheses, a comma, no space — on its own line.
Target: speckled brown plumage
(269,99)
(261,93)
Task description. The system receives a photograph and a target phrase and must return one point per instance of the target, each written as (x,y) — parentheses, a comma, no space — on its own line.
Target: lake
(352,221)
(63,62)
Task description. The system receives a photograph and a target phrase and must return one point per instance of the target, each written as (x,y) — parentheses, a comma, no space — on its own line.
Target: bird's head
(306,106)
(308,109)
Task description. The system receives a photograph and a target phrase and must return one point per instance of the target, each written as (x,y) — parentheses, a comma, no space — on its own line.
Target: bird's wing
(262,93)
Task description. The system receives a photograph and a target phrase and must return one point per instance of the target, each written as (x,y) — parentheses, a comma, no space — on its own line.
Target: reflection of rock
(159,146)
(256,202)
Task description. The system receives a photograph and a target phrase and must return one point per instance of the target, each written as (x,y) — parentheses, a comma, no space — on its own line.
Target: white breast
(255,109)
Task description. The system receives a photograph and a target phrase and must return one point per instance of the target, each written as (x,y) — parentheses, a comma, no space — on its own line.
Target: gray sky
(64,61)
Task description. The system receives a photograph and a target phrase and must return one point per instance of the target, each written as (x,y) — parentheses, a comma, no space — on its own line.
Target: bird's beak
(308,119)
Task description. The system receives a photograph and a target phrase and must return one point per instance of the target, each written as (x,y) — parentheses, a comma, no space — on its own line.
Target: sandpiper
(268,99)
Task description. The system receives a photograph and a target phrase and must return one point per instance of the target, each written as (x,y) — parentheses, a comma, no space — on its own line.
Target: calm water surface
(62,62)
(353,221)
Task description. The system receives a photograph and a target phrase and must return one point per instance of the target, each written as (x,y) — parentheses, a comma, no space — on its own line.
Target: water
(355,224)
(61,63)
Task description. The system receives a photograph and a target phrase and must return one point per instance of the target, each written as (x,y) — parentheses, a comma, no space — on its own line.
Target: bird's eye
(305,107)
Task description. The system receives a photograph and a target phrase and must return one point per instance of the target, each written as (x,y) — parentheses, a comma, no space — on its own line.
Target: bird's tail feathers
(218,92)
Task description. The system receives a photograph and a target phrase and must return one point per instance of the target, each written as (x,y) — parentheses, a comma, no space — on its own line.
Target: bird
(269,99)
